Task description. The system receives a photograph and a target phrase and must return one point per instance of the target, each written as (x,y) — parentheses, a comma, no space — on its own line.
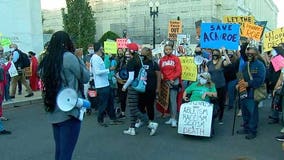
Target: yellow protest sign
(240,20)
(110,47)
(252,31)
(5,42)
(175,28)
(189,68)
(273,39)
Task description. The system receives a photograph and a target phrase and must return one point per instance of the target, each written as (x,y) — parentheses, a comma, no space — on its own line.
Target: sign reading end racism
(195,118)
(218,35)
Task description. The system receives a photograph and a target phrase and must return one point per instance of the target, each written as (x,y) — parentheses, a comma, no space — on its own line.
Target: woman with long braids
(61,68)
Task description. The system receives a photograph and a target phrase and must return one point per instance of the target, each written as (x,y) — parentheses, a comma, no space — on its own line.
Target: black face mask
(250,57)
(198,53)
(215,57)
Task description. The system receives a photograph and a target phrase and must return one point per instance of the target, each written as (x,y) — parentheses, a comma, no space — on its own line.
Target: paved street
(32,140)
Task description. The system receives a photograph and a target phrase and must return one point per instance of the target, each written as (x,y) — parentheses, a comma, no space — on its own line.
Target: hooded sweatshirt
(170,67)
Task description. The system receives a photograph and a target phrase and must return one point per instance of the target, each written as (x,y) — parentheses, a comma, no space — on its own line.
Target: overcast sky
(53,4)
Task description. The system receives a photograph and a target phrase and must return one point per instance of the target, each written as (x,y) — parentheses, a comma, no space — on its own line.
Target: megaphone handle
(82,112)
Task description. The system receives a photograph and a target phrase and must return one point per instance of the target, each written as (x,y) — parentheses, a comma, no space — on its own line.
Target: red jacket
(170,67)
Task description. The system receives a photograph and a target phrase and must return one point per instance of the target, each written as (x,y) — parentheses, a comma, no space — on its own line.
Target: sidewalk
(21,100)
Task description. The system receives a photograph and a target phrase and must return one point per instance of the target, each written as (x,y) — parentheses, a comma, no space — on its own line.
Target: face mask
(12,49)
(215,57)
(250,57)
(91,51)
(202,81)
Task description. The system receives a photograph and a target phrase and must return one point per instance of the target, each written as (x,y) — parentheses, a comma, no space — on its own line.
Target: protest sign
(189,68)
(252,31)
(218,35)
(195,118)
(110,47)
(175,27)
(262,24)
(163,98)
(121,42)
(239,19)
(277,62)
(273,39)
(12,70)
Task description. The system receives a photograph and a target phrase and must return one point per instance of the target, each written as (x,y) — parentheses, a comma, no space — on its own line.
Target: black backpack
(24,60)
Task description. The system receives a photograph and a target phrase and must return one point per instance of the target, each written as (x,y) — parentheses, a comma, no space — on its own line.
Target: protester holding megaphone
(61,69)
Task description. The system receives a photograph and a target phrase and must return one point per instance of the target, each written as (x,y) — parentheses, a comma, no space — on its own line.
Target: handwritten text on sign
(277,62)
(110,47)
(189,68)
(273,39)
(252,31)
(175,27)
(239,19)
(121,42)
(195,118)
(218,35)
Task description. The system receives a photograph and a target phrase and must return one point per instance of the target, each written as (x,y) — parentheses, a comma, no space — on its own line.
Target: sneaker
(103,124)
(4,118)
(220,122)
(29,95)
(250,136)
(174,123)
(282,130)
(280,138)
(5,132)
(130,131)
(239,113)
(12,97)
(153,127)
(139,123)
(169,121)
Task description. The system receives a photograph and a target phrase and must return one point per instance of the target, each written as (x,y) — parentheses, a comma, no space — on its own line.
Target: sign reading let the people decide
(218,35)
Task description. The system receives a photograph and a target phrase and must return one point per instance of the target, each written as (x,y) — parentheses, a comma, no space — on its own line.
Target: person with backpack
(147,99)
(21,61)
(133,66)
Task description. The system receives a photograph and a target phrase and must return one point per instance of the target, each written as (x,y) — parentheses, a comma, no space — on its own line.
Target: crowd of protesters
(223,75)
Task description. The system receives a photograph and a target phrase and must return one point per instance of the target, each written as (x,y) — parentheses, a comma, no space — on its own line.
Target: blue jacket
(257,70)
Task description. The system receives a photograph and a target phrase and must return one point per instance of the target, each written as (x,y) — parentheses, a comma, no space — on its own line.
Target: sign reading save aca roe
(218,35)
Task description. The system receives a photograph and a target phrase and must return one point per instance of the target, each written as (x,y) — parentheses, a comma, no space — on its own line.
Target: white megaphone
(68,98)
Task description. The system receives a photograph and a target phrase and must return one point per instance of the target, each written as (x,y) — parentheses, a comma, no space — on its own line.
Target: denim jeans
(66,135)
(1,126)
(232,92)
(104,94)
(250,115)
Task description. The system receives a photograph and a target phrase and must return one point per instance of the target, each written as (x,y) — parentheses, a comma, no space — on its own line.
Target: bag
(277,100)
(260,93)
(24,59)
(139,83)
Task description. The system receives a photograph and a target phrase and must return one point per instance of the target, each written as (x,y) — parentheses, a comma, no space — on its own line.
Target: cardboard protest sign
(189,68)
(121,42)
(239,19)
(12,70)
(195,118)
(110,47)
(277,62)
(175,27)
(163,98)
(218,35)
(273,39)
(262,24)
(252,31)
(5,41)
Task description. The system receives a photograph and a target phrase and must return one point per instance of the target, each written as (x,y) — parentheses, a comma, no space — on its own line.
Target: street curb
(22,103)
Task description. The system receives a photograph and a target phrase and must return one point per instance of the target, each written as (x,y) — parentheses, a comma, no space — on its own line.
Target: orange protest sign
(239,19)
(252,31)
(175,28)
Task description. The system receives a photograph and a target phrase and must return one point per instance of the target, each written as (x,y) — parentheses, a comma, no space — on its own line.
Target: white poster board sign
(195,118)
(12,70)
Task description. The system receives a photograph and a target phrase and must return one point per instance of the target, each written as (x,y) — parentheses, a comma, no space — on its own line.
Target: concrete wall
(21,22)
